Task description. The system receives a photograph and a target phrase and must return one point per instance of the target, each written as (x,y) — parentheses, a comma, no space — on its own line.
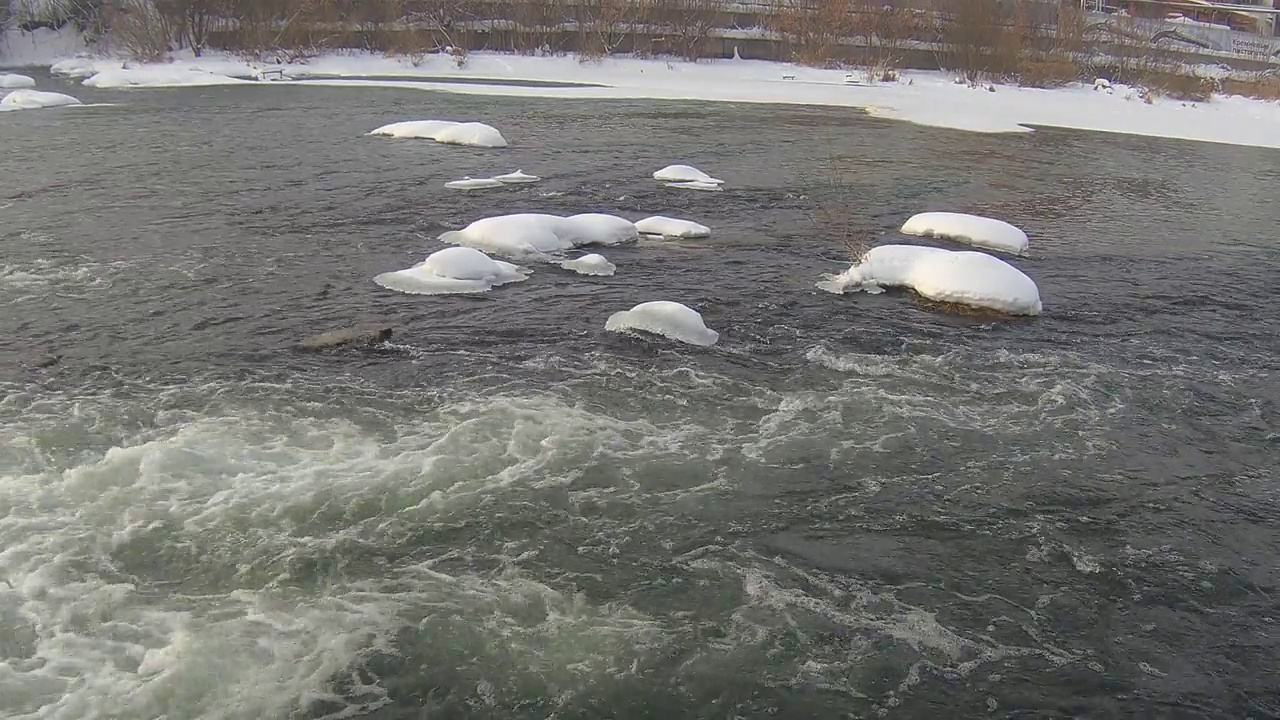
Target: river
(852,506)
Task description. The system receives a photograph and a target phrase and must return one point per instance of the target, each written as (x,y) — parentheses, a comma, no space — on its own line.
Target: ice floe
(474,134)
(590,264)
(668,319)
(34,100)
(672,227)
(964,277)
(452,270)
(983,232)
(539,234)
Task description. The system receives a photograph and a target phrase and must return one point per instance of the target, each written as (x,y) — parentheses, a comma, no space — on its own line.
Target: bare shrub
(813,30)
(834,215)
(537,26)
(143,31)
(189,21)
(603,25)
(977,39)
(1263,86)
(886,31)
(689,24)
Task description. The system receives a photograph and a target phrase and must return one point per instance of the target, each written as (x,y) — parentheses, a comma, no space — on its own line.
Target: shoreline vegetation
(1030,43)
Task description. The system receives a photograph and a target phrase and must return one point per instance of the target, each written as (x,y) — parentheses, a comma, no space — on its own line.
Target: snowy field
(926,98)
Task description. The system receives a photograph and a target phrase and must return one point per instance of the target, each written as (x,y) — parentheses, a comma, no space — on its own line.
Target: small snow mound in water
(473,134)
(452,270)
(684,174)
(472,184)
(671,227)
(973,230)
(668,319)
(73,67)
(592,264)
(696,185)
(35,99)
(158,77)
(516,178)
(964,277)
(12,81)
(538,234)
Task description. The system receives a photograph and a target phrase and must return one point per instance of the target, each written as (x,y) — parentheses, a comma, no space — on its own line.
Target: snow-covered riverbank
(927,98)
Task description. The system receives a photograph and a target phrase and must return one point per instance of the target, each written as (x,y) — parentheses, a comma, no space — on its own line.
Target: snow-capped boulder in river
(684,174)
(527,234)
(590,264)
(964,277)
(12,81)
(35,99)
(469,183)
(668,319)
(452,270)
(473,134)
(671,227)
(518,177)
(983,232)
(74,68)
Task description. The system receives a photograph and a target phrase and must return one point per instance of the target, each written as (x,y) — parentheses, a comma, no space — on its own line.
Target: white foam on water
(1064,402)
(41,274)
(216,544)
(778,597)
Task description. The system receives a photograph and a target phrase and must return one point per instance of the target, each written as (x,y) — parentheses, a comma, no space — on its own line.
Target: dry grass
(968,311)
(1261,87)
(144,32)
(835,214)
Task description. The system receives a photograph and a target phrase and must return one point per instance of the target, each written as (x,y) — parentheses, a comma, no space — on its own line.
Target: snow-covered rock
(973,230)
(591,264)
(469,183)
(73,68)
(964,277)
(516,178)
(600,229)
(13,81)
(684,174)
(696,185)
(671,227)
(669,319)
(538,234)
(452,270)
(443,131)
(158,77)
(35,99)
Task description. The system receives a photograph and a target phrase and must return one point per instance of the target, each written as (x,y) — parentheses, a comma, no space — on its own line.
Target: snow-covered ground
(927,98)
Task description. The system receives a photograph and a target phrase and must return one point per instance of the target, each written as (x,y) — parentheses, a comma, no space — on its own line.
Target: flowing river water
(852,506)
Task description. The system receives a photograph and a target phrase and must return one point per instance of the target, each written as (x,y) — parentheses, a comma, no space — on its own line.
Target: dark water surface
(852,506)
